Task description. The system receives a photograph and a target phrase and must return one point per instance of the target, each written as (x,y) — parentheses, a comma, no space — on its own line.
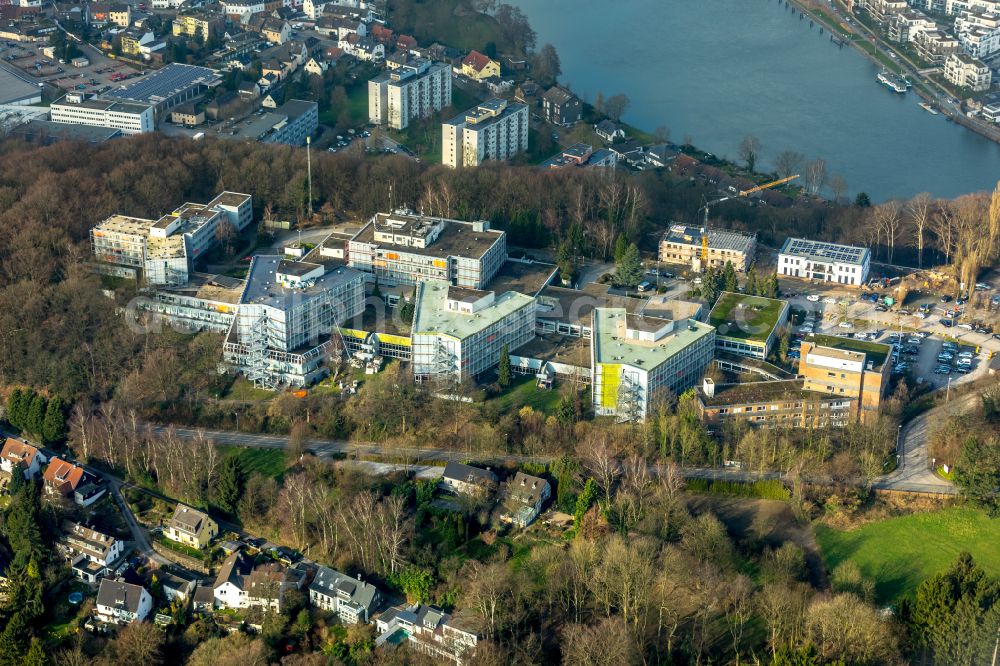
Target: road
(915,471)
(332,449)
(140,541)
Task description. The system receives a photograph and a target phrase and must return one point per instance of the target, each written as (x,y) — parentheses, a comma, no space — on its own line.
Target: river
(718,70)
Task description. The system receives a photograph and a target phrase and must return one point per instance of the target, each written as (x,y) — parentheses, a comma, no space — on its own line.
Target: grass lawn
(242,389)
(901,552)
(748,317)
(524,392)
(875,351)
(266,462)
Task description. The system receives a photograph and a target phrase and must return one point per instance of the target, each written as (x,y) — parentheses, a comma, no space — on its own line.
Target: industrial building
(165,249)
(413,90)
(127,117)
(636,360)
(168,87)
(494,130)
(458,333)
(15,89)
(848,368)
(289,124)
(287,312)
(406,248)
(826,262)
(747,325)
(703,248)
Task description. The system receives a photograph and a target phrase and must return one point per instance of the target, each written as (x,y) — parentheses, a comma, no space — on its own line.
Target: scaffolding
(258,369)
(443,367)
(629,407)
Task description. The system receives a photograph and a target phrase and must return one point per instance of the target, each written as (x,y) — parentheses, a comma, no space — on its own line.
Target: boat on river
(892,81)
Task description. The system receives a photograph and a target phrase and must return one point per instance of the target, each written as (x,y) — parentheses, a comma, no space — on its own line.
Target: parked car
(946,299)
(965,327)
(812,298)
(830,300)
(947,323)
(645,285)
(845,324)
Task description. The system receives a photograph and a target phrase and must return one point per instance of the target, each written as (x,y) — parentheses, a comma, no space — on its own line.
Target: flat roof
(718,239)
(481,114)
(433,316)
(761,392)
(234,199)
(876,352)
(526,278)
(262,287)
(824,252)
(66,131)
(13,88)
(111,105)
(575,306)
(556,348)
(746,317)
(166,82)
(608,348)
(457,239)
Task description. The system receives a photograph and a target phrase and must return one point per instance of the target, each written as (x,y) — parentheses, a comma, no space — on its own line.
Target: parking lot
(100,75)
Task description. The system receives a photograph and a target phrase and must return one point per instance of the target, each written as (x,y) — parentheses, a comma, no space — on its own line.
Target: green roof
(432,315)
(608,348)
(874,351)
(746,317)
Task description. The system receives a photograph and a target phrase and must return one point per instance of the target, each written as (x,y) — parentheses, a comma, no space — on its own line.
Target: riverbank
(922,85)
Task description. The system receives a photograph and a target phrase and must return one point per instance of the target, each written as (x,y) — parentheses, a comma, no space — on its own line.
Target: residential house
(316,67)
(21,455)
(561,107)
(364,48)
(248,90)
(464,479)
(203,600)
(276,31)
(630,151)
(242,584)
(351,599)
(91,554)
(66,479)
(120,15)
(429,630)
(176,584)
(273,100)
(479,67)
(199,25)
(188,115)
(133,39)
(582,155)
(191,527)
(119,602)
(609,131)
(524,499)
(660,155)
(224,106)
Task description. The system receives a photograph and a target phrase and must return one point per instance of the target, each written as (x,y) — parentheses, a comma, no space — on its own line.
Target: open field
(266,462)
(901,552)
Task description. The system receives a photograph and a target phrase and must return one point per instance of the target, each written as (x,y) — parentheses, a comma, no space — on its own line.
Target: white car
(812,298)
(830,299)
(964,361)
(845,324)
(965,327)
(966,354)
(921,334)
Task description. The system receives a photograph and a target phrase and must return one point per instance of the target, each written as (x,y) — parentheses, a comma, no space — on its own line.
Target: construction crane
(741,193)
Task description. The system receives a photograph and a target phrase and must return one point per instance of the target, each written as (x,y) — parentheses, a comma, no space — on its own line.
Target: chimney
(708,387)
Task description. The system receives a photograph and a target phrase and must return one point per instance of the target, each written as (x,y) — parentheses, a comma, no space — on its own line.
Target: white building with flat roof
(165,249)
(636,360)
(406,248)
(281,333)
(494,130)
(826,262)
(127,117)
(415,89)
(458,333)
(965,71)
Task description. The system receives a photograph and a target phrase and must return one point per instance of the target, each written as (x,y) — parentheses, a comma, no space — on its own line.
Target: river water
(717,70)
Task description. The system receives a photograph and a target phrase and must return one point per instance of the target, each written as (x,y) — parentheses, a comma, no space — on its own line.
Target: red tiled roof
(476,61)
(63,476)
(18,452)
